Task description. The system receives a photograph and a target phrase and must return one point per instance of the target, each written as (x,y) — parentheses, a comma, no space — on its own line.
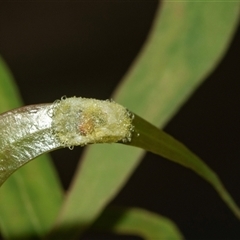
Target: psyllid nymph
(80,121)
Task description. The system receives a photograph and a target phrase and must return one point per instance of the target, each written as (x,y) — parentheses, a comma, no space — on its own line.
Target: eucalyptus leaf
(30,131)
(186,42)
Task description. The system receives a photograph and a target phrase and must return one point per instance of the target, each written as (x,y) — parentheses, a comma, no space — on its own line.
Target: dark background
(84,49)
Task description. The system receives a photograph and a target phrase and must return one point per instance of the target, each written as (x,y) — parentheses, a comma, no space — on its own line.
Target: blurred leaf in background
(31,198)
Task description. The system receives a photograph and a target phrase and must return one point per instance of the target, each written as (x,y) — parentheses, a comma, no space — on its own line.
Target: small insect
(86,127)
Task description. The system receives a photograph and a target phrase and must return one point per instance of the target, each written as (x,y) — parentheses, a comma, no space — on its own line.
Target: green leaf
(136,221)
(186,42)
(31,198)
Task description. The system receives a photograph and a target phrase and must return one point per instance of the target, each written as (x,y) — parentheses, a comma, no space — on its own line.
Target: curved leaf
(184,46)
(30,131)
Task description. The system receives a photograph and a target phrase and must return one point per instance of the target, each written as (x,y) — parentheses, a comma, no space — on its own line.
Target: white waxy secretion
(80,121)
